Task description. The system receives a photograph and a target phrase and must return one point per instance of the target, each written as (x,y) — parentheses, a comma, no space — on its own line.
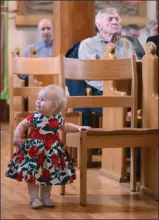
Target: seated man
(108,28)
(108,23)
(44,47)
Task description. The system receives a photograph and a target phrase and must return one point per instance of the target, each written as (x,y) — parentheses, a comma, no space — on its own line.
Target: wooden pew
(147,70)
(149,175)
(114,161)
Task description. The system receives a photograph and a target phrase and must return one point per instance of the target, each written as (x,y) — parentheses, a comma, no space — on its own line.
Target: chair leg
(74,154)
(100,122)
(89,157)
(156,193)
(11,141)
(62,190)
(78,158)
(133,170)
(123,170)
(83,174)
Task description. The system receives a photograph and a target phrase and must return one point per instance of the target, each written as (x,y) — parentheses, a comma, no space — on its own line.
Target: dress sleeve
(61,120)
(30,118)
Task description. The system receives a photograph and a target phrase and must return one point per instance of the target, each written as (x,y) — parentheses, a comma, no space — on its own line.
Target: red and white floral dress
(42,158)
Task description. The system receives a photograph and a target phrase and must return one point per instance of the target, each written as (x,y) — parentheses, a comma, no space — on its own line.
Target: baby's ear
(54,106)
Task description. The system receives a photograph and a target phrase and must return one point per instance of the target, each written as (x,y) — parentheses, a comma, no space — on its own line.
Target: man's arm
(85,51)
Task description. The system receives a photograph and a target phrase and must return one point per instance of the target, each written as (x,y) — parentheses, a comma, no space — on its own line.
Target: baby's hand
(84,128)
(18,141)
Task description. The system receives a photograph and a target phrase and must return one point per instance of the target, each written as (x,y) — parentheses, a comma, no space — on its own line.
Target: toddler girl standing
(41,160)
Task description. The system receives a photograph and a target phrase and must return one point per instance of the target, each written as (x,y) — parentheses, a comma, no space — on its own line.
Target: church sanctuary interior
(79,109)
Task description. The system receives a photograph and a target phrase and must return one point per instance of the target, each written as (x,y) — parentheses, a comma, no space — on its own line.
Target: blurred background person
(44,46)
(155,38)
(152,28)
(132,33)
(133,30)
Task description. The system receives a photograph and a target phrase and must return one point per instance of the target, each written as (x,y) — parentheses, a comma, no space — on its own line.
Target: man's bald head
(45,28)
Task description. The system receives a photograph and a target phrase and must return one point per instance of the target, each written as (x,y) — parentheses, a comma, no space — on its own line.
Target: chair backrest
(41,79)
(31,66)
(102,70)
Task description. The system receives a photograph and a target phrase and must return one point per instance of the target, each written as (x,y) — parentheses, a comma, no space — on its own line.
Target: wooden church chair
(149,118)
(27,104)
(149,162)
(115,162)
(32,67)
(110,49)
(29,66)
(117,138)
(111,89)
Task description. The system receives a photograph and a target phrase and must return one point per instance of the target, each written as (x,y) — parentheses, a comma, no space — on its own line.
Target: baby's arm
(72,128)
(19,132)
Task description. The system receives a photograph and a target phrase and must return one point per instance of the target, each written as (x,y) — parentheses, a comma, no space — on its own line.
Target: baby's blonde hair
(58,96)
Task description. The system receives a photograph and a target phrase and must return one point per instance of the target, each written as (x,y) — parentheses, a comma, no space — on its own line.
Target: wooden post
(20,7)
(73,21)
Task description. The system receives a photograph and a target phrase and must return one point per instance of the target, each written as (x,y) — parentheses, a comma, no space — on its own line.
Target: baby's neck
(47,115)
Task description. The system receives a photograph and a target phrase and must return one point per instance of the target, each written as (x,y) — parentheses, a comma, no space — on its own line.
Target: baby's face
(44,103)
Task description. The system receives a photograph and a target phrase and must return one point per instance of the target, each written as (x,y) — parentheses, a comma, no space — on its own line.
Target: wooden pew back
(104,70)
(149,175)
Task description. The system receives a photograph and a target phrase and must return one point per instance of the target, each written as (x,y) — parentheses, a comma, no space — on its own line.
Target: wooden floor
(107,199)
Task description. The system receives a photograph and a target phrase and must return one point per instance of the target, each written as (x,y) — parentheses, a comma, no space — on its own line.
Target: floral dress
(42,159)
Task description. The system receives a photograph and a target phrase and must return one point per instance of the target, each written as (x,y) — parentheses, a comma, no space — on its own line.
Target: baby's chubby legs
(45,193)
(44,198)
(33,191)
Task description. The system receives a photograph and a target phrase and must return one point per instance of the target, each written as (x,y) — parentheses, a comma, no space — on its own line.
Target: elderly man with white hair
(108,23)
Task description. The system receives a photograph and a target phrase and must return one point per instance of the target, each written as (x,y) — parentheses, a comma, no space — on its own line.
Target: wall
(21,37)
